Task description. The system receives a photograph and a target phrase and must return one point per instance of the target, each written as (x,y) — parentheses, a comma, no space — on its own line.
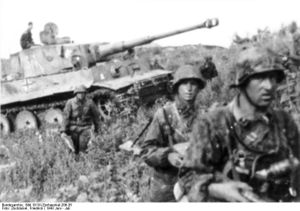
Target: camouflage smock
(156,147)
(208,154)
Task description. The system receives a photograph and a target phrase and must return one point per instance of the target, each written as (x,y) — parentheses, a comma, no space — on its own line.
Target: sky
(88,21)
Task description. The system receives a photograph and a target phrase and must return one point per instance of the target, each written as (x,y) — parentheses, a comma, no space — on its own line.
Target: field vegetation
(44,169)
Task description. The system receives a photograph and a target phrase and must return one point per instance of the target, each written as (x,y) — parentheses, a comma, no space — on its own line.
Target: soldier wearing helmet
(80,114)
(171,125)
(246,150)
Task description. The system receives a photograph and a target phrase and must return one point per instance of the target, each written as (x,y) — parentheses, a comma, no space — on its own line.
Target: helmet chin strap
(257,107)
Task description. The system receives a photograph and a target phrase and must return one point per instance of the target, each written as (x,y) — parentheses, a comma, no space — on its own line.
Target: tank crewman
(132,61)
(26,40)
(171,125)
(245,151)
(80,114)
(133,64)
(155,63)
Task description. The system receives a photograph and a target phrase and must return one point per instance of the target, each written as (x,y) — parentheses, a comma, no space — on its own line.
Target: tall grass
(45,169)
(49,170)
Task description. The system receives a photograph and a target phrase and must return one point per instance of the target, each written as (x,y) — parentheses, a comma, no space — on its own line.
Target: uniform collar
(78,101)
(184,108)
(243,118)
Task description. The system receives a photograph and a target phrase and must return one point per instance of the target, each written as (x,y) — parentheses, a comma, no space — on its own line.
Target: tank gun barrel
(103,51)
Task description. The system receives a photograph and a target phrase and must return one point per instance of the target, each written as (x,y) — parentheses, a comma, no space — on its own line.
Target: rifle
(68,141)
(249,195)
(264,171)
(278,169)
(130,145)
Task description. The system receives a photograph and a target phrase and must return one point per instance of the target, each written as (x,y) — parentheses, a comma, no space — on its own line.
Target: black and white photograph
(108,101)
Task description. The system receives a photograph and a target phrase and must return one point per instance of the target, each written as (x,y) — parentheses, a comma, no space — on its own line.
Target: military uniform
(26,40)
(171,125)
(79,117)
(157,146)
(261,148)
(274,134)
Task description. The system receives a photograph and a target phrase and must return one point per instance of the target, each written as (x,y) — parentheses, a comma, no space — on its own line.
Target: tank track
(33,107)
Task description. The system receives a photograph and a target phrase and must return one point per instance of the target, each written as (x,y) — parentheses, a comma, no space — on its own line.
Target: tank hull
(36,82)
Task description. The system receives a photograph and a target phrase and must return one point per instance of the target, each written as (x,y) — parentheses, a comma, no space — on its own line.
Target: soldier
(26,40)
(155,63)
(133,64)
(171,125)
(79,115)
(245,151)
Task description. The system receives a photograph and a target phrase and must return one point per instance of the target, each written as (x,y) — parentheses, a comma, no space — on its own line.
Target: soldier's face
(81,95)
(188,89)
(261,89)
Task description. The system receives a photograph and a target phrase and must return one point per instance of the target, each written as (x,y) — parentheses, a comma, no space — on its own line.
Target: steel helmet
(255,61)
(80,89)
(187,72)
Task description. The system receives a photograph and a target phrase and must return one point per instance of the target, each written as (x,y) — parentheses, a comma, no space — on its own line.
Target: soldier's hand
(187,180)
(63,134)
(68,141)
(198,191)
(90,144)
(175,159)
(229,191)
(193,186)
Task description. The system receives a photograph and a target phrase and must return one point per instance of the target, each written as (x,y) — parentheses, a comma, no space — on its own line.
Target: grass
(45,170)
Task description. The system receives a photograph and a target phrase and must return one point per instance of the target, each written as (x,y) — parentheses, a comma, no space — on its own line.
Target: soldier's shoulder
(162,111)
(169,106)
(71,101)
(280,114)
(218,112)
(159,113)
(216,116)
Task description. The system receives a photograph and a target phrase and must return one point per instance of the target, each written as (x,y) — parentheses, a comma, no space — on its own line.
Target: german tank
(36,82)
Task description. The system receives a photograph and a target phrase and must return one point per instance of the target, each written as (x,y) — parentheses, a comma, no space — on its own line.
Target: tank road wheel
(106,102)
(4,125)
(26,120)
(53,119)
(105,108)
(54,116)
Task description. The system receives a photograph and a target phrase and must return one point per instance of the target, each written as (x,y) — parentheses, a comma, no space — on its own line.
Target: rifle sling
(228,137)
(168,129)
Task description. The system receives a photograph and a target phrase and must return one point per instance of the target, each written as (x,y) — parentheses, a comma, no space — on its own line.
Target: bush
(44,164)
